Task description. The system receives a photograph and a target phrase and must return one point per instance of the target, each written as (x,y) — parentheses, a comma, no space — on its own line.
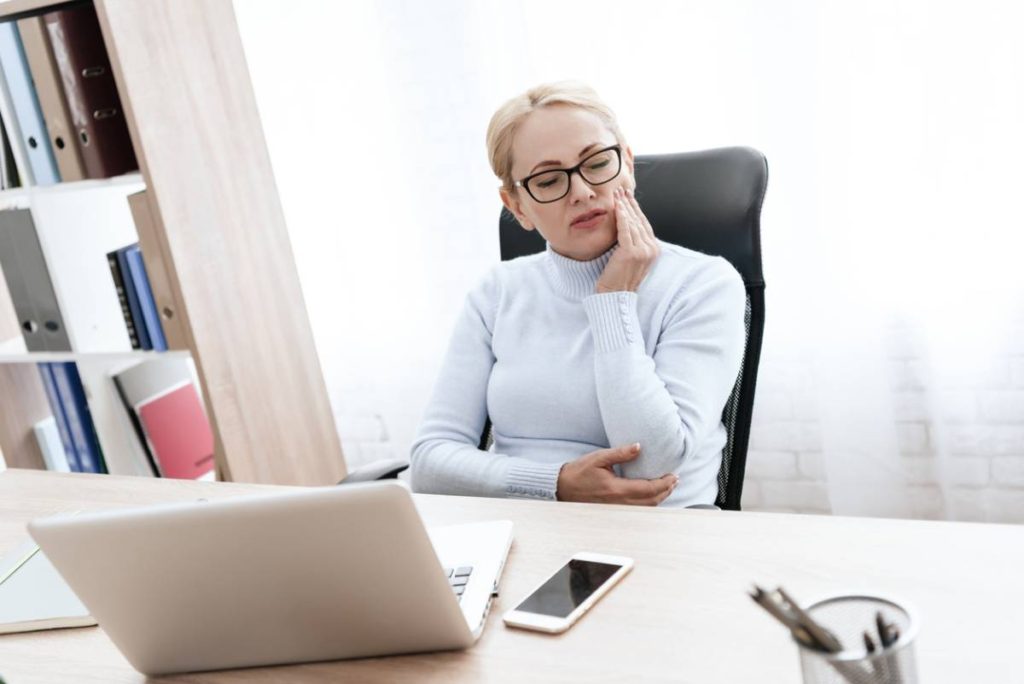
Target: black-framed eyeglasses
(553,184)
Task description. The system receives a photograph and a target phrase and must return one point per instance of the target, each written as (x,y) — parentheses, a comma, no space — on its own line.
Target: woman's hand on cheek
(638,248)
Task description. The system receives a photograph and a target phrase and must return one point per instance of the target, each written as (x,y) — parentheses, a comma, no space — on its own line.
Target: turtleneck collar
(576,279)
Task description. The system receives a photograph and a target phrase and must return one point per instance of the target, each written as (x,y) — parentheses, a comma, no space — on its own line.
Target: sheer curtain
(892,379)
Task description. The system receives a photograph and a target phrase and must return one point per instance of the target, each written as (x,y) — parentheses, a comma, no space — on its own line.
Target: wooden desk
(682,615)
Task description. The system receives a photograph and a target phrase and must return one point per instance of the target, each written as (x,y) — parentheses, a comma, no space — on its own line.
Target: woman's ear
(513,205)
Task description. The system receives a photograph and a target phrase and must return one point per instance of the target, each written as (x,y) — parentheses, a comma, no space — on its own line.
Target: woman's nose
(579,189)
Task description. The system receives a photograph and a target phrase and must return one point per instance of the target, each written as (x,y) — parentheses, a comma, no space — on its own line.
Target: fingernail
(636,446)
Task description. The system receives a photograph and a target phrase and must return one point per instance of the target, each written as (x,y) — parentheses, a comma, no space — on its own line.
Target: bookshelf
(57,357)
(223,247)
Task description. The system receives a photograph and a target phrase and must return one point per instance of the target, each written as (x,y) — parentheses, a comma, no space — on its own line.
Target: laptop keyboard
(458,578)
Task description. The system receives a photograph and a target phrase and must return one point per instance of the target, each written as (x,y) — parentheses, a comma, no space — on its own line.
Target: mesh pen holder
(848,617)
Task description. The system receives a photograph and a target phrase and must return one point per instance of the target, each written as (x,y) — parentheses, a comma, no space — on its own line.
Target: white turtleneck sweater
(562,372)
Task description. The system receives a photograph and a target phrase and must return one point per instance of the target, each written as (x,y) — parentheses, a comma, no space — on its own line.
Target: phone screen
(568,588)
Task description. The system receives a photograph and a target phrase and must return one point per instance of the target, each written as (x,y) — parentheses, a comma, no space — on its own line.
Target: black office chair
(707,201)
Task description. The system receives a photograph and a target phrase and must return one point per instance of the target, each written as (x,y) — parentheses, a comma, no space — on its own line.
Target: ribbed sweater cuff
(531,480)
(613,320)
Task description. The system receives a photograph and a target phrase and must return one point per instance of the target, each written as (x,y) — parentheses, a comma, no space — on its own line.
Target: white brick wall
(977,476)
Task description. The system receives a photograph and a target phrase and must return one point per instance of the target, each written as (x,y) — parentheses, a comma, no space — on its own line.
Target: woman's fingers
(632,221)
(646,492)
(645,225)
(635,223)
(623,222)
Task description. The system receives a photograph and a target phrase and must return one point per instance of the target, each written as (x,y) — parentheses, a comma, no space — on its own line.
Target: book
(47,79)
(161,394)
(90,91)
(33,596)
(79,419)
(25,107)
(144,294)
(59,417)
(51,445)
(28,280)
(132,295)
(122,298)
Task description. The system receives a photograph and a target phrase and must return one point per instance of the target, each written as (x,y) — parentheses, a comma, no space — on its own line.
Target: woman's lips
(590,220)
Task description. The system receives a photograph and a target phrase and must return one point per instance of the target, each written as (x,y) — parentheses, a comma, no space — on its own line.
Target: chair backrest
(708,201)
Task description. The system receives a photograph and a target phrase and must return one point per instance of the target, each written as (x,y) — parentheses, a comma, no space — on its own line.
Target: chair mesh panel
(729,415)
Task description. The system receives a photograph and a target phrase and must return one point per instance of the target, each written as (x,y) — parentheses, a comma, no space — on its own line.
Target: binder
(59,417)
(28,280)
(90,91)
(140,283)
(25,104)
(156,260)
(11,340)
(47,79)
(77,227)
(76,410)
(18,155)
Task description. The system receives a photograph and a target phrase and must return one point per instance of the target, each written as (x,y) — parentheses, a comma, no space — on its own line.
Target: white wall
(892,134)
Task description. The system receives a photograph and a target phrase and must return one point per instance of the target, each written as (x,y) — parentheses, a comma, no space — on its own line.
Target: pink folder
(178,432)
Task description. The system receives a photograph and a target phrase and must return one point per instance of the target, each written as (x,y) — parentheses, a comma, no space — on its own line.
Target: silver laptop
(319,574)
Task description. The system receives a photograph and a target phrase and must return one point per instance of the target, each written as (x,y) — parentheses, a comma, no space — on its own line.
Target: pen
(820,634)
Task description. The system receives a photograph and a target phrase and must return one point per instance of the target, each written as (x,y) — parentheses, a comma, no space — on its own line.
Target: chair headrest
(708,201)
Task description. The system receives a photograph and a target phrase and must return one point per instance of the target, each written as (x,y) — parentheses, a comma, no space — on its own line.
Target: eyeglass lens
(553,185)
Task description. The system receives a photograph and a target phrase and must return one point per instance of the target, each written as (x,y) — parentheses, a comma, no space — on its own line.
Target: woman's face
(580,225)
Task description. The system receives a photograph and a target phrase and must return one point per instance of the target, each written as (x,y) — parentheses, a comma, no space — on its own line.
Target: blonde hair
(502,129)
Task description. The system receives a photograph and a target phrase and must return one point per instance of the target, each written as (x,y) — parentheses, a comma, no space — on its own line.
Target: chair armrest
(384,469)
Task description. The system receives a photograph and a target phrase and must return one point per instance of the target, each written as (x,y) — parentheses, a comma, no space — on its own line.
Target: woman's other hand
(638,248)
(590,479)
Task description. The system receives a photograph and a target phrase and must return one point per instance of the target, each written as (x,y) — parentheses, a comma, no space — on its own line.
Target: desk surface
(682,614)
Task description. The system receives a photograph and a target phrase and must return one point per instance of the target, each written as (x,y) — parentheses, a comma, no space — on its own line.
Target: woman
(605,362)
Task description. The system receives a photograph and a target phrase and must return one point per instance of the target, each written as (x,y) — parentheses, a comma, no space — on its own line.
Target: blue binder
(26,106)
(76,409)
(144,294)
(57,408)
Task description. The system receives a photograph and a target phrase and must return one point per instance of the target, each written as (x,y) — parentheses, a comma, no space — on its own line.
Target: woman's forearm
(668,395)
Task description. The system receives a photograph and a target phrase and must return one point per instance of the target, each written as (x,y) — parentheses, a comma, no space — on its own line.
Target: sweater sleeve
(672,400)
(445,458)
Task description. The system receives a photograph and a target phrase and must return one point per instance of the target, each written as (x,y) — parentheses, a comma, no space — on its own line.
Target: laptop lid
(317,574)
